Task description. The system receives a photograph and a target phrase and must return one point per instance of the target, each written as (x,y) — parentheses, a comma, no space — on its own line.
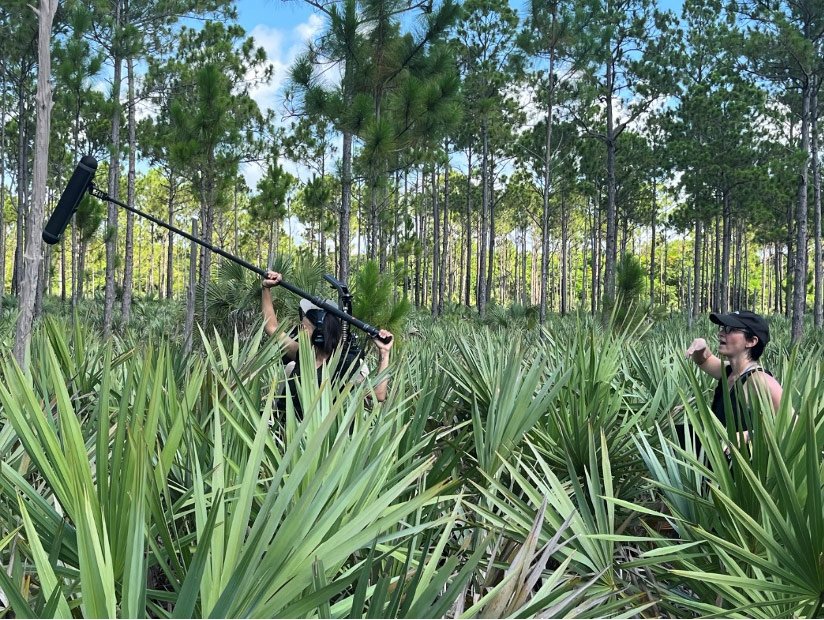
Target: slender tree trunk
(81,265)
(396,227)
(484,214)
(445,248)
(800,272)
(777,275)
(128,268)
(609,267)
(345,205)
(652,245)
(419,249)
(189,321)
(468,229)
(22,164)
(564,234)
(170,249)
(436,238)
(2,186)
(725,253)
(524,295)
(790,263)
(31,266)
(491,228)
(763,279)
(818,306)
(696,262)
(114,182)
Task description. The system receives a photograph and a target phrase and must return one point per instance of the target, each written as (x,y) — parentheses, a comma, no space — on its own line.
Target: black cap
(744,319)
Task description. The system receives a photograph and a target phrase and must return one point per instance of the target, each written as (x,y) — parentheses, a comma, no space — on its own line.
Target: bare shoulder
(766,379)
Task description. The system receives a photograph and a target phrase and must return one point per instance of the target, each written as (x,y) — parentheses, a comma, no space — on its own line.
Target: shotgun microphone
(71,197)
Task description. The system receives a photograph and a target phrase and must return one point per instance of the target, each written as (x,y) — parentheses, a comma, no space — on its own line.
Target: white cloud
(282,48)
(311,28)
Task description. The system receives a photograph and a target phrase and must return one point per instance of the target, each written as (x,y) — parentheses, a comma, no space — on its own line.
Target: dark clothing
(717,407)
(343,371)
(736,396)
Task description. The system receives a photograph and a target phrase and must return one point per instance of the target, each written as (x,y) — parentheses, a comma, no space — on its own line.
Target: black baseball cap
(744,319)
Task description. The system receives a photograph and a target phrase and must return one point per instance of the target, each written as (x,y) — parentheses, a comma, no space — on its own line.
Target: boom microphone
(71,197)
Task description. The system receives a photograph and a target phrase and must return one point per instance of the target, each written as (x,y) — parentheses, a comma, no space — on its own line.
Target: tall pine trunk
(170,249)
(345,205)
(481,285)
(725,253)
(22,165)
(114,180)
(128,267)
(609,267)
(652,246)
(2,188)
(818,306)
(468,229)
(491,261)
(32,259)
(696,263)
(189,320)
(564,267)
(445,231)
(800,272)
(436,231)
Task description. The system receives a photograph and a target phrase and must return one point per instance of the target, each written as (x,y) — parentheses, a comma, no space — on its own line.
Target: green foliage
(373,299)
(508,473)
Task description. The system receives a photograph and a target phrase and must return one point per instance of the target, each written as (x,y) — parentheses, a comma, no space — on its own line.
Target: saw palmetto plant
(531,473)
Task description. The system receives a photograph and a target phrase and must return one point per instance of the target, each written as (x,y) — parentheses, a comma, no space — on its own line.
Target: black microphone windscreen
(69,199)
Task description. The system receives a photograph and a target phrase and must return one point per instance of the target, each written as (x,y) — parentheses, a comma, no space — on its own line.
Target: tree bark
(22,164)
(345,205)
(2,188)
(696,262)
(114,181)
(609,267)
(468,226)
(31,266)
(652,245)
(481,286)
(445,232)
(725,253)
(170,250)
(128,268)
(564,234)
(436,238)
(800,272)
(818,306)
(189,321)
(491,261)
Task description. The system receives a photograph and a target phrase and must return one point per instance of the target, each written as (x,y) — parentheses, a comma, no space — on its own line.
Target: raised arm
(383,363)
(270,319)
(704,359)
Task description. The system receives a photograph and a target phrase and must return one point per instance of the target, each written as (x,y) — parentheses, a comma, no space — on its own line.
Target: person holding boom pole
(324,331)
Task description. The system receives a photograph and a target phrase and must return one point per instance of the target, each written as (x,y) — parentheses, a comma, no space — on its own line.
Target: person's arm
(270,319)
(383,363)
(768,387)
(704,359)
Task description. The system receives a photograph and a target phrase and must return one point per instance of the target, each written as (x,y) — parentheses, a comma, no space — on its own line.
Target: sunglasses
(729,329)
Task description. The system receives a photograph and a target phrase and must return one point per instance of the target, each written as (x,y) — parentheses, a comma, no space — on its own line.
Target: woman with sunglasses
(324,331)
(742,337)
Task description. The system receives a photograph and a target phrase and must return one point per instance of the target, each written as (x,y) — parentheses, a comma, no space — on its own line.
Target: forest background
(480,155)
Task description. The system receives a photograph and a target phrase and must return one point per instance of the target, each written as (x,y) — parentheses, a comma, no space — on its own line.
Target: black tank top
(736,397)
